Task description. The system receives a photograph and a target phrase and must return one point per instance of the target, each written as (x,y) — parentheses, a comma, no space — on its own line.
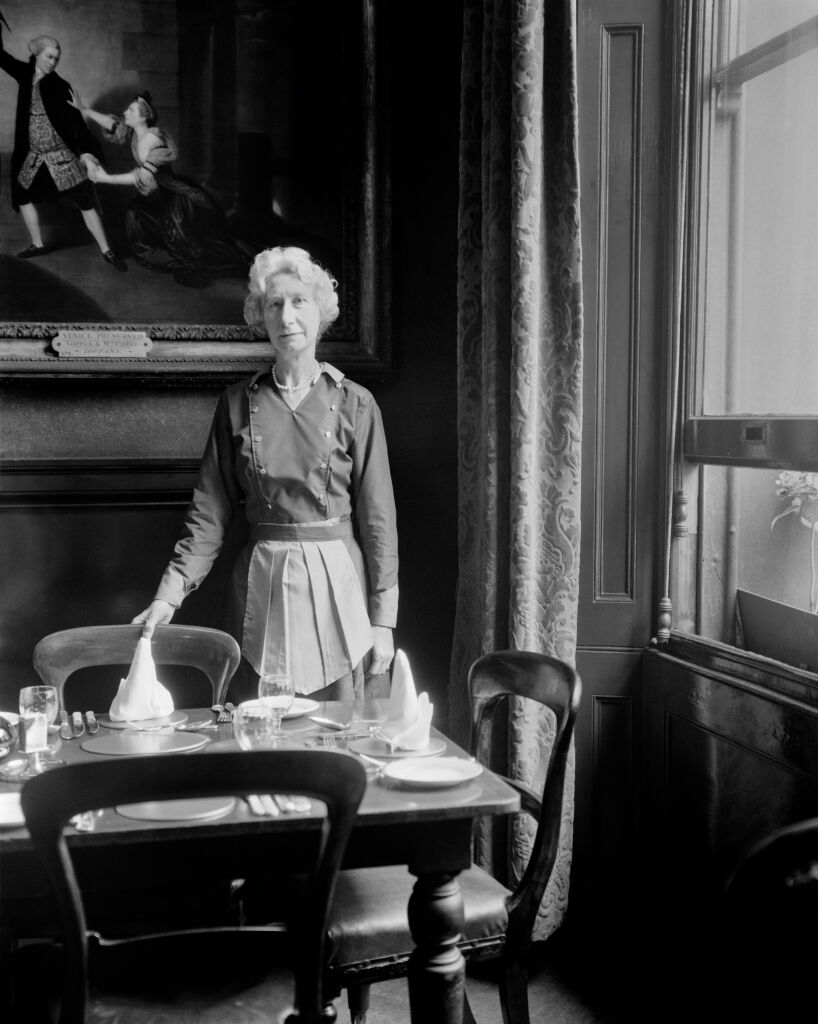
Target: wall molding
(96,483)
(621,154)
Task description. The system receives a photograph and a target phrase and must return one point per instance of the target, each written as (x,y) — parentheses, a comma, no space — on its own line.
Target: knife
(328,723)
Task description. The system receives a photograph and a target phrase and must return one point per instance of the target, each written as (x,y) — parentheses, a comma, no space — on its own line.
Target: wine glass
(255,725)
(38,703)
(277,692)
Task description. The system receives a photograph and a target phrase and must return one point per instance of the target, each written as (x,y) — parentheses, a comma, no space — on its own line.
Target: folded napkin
(408,715)
(141,696)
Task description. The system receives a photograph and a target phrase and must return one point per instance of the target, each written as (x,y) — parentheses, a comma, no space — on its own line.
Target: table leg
(437,973)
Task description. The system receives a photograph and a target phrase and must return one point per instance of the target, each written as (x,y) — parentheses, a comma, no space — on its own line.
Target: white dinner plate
(434,773)
(12,716)
(300,707)
(197,809)
(174,718)
(130,743)
(11,814)
(381,749)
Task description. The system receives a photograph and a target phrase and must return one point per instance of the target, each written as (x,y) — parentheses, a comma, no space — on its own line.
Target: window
(750,440)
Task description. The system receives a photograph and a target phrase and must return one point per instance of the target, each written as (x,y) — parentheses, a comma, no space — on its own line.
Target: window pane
(760,307)
(762,19)
(758,534)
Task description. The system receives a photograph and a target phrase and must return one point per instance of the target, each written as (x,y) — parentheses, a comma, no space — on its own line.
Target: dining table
(410,815)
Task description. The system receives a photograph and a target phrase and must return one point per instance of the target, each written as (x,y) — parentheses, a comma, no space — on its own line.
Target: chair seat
(368,921)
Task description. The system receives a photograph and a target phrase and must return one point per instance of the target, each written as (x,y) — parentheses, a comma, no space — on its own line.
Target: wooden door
(621,73)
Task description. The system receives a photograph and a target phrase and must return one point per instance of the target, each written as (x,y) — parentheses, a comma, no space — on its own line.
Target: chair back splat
(334,778)
(213,652)
(493,679)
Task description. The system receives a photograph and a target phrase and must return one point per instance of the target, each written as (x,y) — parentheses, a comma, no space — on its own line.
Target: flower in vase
(800,493)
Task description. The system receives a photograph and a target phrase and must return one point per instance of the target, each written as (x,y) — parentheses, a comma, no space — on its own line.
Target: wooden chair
(50,800)
(213,652)
(768,929)
(369,932)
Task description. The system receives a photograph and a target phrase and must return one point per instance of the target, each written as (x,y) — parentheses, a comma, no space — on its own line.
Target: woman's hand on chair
(383,650)
(158,614)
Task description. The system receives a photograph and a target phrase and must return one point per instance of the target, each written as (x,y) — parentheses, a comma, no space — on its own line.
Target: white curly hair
(289,259)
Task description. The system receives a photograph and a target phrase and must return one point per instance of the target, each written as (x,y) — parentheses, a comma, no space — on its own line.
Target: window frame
(697,440)
(763,441)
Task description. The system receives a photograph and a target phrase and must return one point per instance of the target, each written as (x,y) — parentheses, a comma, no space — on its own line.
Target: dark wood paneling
(87,547)
(728,759)
(608,734)
(618,339)
(621,52)
(621,81)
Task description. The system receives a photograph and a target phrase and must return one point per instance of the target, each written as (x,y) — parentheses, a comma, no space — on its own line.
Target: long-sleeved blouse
(322,464)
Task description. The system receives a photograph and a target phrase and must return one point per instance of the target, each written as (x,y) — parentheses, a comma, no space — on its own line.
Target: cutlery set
(344,731)
(265,805)
(223,713)
(74,727)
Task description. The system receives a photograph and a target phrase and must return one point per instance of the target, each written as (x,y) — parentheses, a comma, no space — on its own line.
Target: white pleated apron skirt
(305,614)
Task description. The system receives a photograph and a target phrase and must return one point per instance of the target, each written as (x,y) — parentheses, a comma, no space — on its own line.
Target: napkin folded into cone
(408,714)
(141,696)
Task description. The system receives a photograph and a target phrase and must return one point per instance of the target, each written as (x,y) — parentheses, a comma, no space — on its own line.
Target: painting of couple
(147,192)
(173,225)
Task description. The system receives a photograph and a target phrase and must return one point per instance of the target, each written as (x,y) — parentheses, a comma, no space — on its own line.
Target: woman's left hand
(383,650)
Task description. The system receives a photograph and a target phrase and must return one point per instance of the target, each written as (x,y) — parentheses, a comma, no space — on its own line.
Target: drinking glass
(39,700)
(254,725)
(277,692)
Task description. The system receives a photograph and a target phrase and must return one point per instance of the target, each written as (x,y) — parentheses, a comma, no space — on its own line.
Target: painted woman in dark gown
(173,226)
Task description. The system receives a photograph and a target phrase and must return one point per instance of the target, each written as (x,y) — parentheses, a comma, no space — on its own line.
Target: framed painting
(129,257)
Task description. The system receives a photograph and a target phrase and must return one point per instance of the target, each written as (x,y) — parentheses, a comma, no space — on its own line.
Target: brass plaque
(102,344)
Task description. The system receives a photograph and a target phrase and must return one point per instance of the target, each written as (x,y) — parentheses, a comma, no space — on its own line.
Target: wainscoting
(731,753)
(85,541)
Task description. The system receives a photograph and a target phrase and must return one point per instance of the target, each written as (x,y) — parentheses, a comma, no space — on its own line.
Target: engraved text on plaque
(95,344)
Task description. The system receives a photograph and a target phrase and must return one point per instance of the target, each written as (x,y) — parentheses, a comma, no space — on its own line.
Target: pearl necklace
(298,387)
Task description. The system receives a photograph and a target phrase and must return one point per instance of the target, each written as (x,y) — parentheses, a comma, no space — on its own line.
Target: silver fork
(223,712)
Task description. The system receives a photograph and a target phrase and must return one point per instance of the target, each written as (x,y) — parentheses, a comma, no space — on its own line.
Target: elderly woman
(52,147)
(173,225)
(316,587)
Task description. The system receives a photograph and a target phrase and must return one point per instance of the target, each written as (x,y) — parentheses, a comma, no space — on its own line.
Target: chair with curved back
(768,930)
(51,799)
(369,931)
(212,651)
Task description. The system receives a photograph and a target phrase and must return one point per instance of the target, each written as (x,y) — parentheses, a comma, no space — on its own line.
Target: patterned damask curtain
(519,375)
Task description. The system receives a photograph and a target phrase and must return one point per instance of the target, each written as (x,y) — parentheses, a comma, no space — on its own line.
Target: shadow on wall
(21,276)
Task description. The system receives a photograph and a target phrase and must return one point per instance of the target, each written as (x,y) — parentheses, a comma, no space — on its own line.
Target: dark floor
(587,975)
